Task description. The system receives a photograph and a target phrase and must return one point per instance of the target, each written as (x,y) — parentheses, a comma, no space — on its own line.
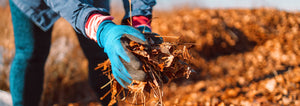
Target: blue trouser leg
(27,69)
(32,48)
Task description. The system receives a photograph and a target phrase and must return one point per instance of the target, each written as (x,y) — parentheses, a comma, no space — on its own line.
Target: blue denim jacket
(45,12)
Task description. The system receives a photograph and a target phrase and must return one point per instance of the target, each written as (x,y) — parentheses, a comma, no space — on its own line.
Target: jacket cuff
(93,23)
(84,15)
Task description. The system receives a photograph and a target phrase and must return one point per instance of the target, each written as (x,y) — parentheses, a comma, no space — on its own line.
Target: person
(99,38)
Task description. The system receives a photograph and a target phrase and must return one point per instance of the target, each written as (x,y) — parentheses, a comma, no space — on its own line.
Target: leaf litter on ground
(162,63)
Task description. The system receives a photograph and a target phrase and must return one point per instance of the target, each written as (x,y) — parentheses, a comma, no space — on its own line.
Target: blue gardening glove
(144,29)
(125,66)
(152,38)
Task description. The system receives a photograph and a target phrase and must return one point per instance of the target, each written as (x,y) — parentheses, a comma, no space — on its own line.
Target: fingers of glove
(135,70)
(118,78)
(153,38)
(134,66)
(134,61)
(122,51)
(118,73)
(134,34)
(116,62)
(136,39)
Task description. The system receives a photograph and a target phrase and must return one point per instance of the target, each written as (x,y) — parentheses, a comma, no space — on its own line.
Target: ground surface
(241,57)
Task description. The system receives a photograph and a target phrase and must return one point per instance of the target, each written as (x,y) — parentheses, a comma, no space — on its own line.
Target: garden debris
(162,62)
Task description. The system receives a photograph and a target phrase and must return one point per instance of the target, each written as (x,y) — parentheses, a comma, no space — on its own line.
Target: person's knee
(29,54)
(23,53)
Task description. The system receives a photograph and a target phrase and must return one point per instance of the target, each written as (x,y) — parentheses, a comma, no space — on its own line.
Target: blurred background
(246,52)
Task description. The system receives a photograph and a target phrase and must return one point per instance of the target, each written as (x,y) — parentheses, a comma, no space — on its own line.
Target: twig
(106,94)
(108,83)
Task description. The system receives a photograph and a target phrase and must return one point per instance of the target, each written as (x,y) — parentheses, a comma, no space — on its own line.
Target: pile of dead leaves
(242,57)
(162,62)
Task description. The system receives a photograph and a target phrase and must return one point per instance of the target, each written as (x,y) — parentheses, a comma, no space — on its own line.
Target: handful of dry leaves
(162,62)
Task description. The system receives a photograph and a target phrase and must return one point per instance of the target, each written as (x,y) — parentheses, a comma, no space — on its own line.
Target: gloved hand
(125,66)
(152,38)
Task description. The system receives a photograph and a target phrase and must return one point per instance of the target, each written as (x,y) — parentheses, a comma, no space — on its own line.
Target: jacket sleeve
(74,11)
(138,8)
